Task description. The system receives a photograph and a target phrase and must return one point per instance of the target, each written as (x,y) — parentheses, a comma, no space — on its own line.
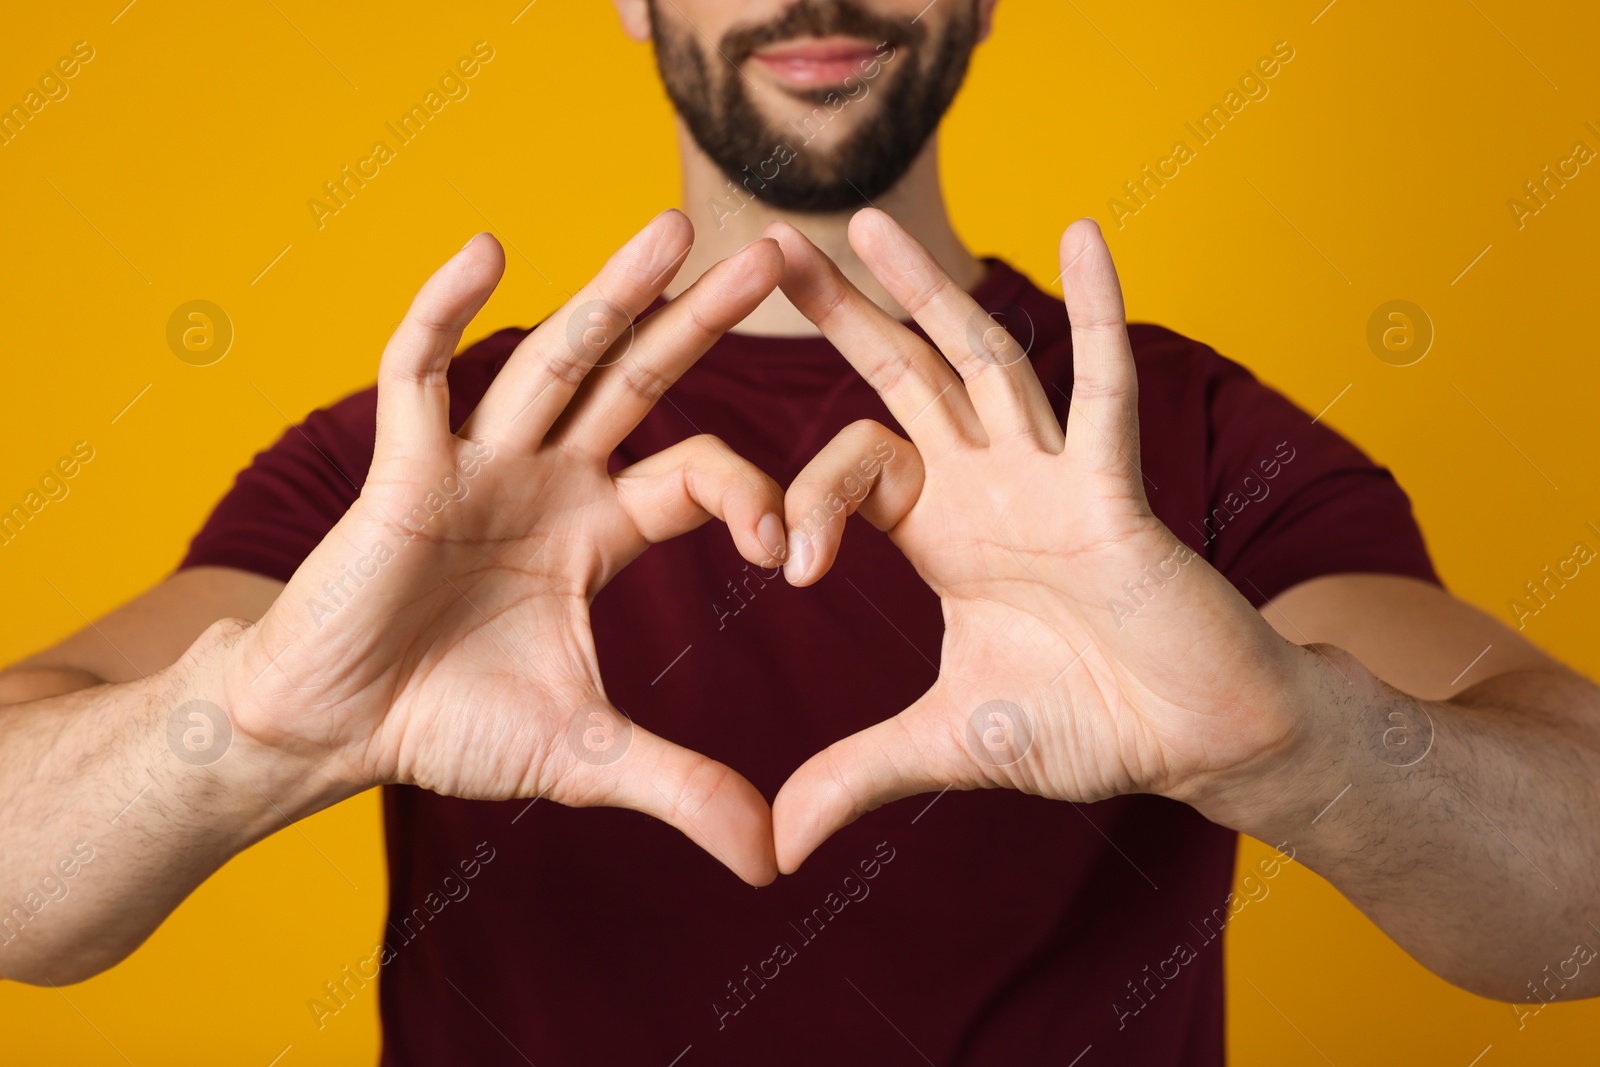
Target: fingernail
(770,532)
(473,238)
(801,557)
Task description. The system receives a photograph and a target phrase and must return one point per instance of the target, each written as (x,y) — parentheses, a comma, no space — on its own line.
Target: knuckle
(890,372)
(640,269)
(699,787)
(1099,321)
(428,374)
(432,313)
(710,444)
(842,784)
(709,454)
(935,285)
(832,299)
(703,326)
(1100,389)
(846,786)
(643,380)
(868,428)
(808,490)
(633,264)
(566,367)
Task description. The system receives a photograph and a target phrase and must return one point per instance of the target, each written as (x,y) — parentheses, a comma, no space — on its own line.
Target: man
(1131,601)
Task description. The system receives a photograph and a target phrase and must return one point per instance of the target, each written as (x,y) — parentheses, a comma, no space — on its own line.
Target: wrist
(1308,716)
(213,718)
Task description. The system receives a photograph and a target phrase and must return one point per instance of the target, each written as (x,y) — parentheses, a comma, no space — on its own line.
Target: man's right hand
(439,635)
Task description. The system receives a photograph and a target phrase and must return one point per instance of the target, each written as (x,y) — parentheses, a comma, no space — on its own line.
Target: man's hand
(439,636)
(1087,651)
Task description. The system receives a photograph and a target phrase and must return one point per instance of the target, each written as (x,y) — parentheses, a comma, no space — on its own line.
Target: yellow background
(1379,167)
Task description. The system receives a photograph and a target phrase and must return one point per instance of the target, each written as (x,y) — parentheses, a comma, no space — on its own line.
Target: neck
(725,223)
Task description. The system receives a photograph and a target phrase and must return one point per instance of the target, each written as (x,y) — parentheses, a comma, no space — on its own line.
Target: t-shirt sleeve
(283,504)
(1289,499)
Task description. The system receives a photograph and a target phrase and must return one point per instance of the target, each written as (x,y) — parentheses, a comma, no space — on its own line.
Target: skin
(1290,724)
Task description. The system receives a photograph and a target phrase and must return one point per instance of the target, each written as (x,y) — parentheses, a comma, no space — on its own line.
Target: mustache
(819,18)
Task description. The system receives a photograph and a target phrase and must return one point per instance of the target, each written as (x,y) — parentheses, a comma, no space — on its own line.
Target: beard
(713,97)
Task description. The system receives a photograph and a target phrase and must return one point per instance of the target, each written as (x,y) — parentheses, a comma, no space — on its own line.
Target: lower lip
(830,69)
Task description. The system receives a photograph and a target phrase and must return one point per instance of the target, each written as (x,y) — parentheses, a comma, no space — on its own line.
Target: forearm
(116,802)
(1465,828)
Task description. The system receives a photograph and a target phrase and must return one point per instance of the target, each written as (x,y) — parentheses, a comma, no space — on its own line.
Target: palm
(439,635)
(1031,537)
(1030,711)
(504,690)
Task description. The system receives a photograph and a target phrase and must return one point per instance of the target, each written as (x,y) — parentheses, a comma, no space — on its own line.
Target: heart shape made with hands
(460,663)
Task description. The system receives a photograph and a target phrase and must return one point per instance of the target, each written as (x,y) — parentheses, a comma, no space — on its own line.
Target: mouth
(817,61)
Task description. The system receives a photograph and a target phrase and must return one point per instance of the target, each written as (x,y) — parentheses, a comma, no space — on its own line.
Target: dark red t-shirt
(979,928)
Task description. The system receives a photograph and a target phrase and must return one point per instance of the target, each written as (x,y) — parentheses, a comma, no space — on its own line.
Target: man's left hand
(1087,652)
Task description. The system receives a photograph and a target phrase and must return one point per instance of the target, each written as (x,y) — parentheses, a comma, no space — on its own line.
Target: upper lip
(817,48)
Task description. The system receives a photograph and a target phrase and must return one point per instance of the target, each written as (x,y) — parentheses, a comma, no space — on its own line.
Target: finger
(679,488)
(1000,380)
(900,757)
(918,387)
(549,364)
(618,764)
(1103,416)
(867,468)
(617,397)
(413,394)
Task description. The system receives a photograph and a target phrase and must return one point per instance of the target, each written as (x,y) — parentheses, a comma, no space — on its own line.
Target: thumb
(924,749)
(615,763)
